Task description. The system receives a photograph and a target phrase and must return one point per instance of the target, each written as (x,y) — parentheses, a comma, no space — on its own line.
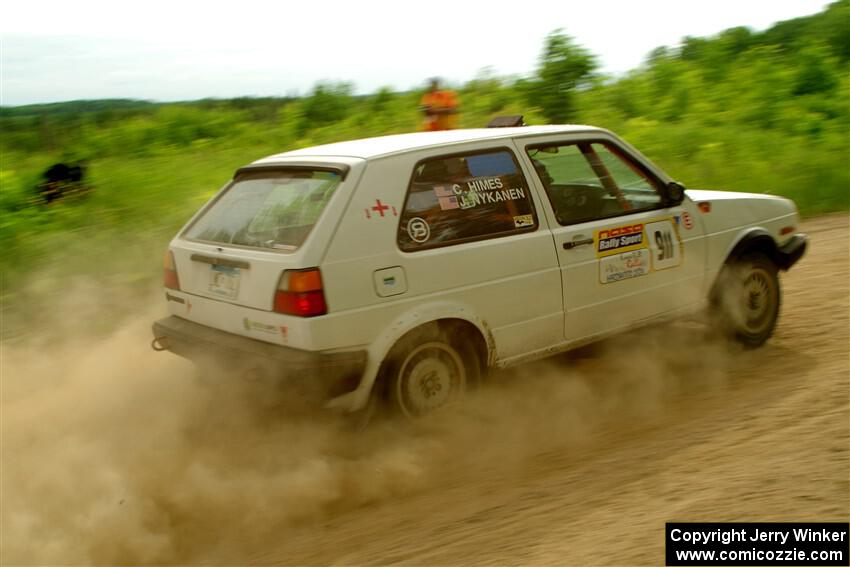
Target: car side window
(593,180)
(467,197)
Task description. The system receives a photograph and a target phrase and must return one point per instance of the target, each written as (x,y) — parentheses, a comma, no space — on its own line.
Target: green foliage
(327,104)
(488,95)
(747,111)
(564,67)
(814,76)
(108,108)
(830,28)
(381,101)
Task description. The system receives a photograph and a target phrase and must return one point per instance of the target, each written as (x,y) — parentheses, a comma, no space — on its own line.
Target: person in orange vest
(439,107)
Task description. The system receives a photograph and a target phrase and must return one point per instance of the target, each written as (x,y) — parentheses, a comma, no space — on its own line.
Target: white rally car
(400,268)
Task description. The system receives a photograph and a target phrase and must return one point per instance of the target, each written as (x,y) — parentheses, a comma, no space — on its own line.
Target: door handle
(573,243)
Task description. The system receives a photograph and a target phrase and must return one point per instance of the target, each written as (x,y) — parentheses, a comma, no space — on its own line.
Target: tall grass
(765,112)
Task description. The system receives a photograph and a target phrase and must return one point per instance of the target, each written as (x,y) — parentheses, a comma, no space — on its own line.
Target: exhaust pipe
(160,344)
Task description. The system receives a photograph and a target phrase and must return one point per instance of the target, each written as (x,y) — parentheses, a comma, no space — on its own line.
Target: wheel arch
(446,317)
(754,240)
(462,328)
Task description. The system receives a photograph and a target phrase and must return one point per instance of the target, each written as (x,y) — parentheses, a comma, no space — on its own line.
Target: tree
(328,103)
(564,68)
(834,27)
(735,41)
(381,101)
(814,74)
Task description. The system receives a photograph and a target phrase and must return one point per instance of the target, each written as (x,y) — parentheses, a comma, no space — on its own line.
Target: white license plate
(224,281)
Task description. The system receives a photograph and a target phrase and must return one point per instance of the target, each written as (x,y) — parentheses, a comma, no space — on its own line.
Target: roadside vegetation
(751,111)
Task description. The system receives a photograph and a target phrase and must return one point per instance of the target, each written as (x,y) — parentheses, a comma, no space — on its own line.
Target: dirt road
(119,457)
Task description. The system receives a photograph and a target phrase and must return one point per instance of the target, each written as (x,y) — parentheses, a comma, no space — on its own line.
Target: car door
(622,255)
(470,232)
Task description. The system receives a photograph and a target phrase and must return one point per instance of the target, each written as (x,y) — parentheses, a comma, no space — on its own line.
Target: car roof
(384,145)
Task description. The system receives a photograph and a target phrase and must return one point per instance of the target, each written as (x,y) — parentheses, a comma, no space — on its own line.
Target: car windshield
(272,209)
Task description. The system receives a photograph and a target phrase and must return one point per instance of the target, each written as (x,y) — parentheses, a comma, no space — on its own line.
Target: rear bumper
(790,252)
(339,371)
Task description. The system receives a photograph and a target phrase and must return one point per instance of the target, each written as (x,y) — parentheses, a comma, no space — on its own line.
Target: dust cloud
(115,454)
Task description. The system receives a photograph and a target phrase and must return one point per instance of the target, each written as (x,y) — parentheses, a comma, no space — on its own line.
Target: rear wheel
(428,370)
(747,299)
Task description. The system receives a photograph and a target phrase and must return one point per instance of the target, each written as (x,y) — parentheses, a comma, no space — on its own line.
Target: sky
(53,51)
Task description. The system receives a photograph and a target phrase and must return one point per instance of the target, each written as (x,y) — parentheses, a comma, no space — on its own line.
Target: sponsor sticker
(619,239)
(624,266)
(522,221)
(258,326)
(658,237)
(418,230)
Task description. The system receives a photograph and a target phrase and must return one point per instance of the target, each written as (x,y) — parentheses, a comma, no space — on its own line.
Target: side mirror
(675,193)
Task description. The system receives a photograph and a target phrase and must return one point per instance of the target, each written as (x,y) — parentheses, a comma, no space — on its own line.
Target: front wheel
(747,299)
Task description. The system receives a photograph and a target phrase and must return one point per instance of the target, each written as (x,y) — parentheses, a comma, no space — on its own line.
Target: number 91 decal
(664,245)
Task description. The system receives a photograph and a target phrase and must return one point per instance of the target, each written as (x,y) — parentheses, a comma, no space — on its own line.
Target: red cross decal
(379,207)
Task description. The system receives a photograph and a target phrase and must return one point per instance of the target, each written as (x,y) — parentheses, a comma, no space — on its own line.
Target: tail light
(169,271)
(300,293)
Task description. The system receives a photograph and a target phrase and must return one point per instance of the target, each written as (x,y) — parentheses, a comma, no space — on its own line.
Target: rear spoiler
(340,168)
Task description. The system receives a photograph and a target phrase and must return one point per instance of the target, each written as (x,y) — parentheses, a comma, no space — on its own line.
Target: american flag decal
(447,203)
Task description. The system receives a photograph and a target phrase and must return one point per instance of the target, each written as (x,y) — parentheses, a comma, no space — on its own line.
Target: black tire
(427,370)
(747,299)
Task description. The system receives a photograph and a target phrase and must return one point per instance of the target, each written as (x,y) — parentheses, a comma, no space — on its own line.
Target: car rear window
(467,197)
(270,209)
